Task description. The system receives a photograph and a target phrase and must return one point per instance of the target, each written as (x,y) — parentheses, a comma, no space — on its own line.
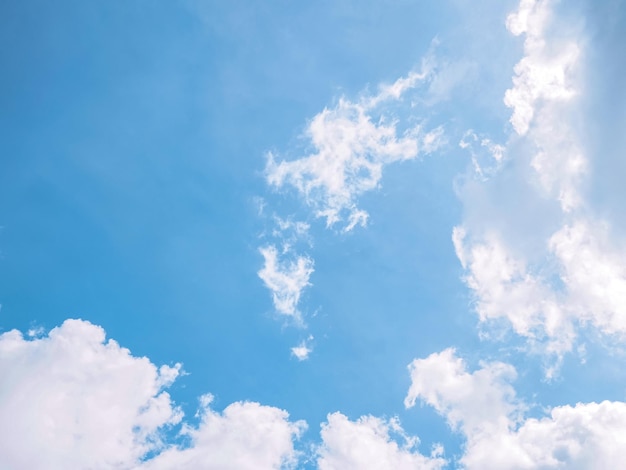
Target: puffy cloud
(483,406)
(591,287)
(567,271)
(543,72)
(506,288)
(477,402)
(244,436)
(285,279)
(543,84)
(350,148)
(371,443)
(73,400)
(594,273)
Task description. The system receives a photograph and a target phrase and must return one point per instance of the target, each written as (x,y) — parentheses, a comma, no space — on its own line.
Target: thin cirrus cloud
(482,405)
(285,275)
(352,143)
(350,149)
(73,400)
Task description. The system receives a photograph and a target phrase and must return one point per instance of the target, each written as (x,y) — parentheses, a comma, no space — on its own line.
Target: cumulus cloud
(543,72)
(544,84)
(372,443)
(245,436)
(593,271)
(567,271)
(591,287)
(72,399)
(487,156)
(478,402)
(350,147)
(285,278)
(506,288)
(483,406)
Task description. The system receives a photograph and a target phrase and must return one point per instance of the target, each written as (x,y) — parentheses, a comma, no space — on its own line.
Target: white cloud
(487,156)
(350,149)
(371,443)
(591,290)
(505,288)
(73,400)
(483,406)
(285,279)
(594,273)
(245,436)
(302,351)
(543,73)
(479,402)
(563,271)
(544,84)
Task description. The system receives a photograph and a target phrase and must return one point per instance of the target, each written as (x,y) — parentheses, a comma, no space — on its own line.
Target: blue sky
(330,234)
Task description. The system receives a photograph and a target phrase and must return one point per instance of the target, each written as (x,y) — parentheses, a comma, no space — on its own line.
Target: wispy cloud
(286,277)
(351,143)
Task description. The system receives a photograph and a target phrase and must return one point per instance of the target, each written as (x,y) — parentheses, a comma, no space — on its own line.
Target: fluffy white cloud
(477,402)
(593,271)
(591,290)
(371,443)
(350,149)
(483,406)
(73,400)
(285,279)
(567,271)
(245,436)
(505,288)
(545,82)
(543,72)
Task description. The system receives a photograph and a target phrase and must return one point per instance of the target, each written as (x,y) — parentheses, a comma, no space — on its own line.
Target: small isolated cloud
(285,276)
(302,351)
(72,400)
(506,288)
(483,406)
(350,147)
(372,443)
